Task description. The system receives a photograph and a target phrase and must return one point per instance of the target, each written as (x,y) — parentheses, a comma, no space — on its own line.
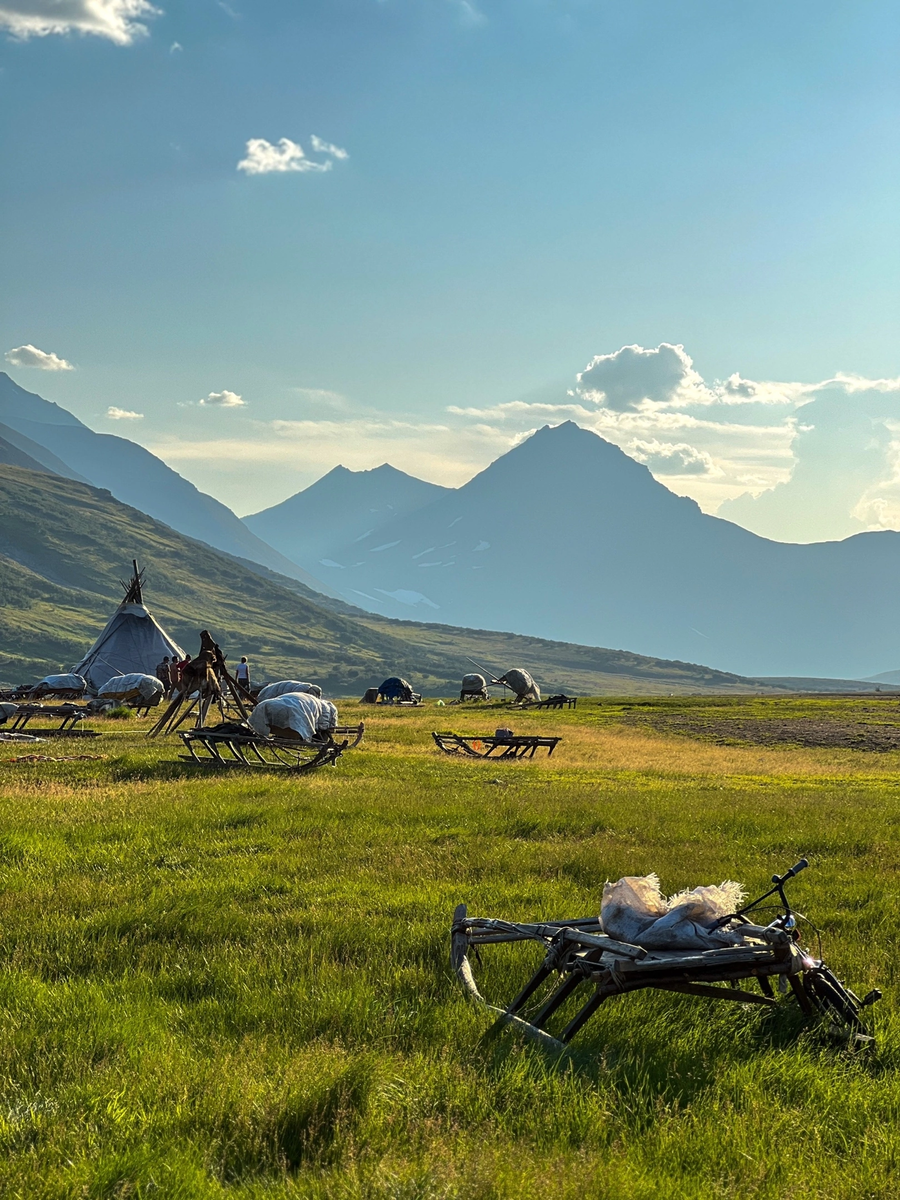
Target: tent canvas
(131,642)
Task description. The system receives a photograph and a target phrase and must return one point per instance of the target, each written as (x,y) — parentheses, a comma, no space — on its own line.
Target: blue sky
(527,185)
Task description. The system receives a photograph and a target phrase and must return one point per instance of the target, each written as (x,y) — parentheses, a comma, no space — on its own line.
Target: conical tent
(131,642)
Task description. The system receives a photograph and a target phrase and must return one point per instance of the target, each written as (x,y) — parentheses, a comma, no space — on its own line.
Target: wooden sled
(38,691)
(69,716)
(580,958)
(513,746)
(235,745)
(560,701)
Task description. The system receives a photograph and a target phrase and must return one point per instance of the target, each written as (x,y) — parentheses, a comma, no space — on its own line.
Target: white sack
(132,687)
(683,922)
(631,905)
(306,715)
(286,687)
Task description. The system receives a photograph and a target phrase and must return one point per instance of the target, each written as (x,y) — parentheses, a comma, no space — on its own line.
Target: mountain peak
(17,403)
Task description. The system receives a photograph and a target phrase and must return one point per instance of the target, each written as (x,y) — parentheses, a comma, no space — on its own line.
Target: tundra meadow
(237,984)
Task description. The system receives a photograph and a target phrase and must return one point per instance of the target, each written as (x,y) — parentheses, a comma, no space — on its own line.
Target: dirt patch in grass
(795,731)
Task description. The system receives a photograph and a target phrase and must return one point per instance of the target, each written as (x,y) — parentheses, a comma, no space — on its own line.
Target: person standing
(178,671)
(242,674)
(164,675)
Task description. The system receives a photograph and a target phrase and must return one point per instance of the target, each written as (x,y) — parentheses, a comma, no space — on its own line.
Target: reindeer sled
(681,950)
(294,732)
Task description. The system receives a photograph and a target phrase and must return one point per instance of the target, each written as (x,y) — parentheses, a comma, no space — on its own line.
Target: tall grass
(237,985)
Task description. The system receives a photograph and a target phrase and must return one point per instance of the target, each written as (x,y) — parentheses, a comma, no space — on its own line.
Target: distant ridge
(64,547)
(12,456)
(65,445)
(567,537)
(344,507)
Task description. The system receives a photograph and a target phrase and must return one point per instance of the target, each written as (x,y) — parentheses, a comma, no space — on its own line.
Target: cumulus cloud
(631,376)
(678,458)
(30,356)
(119,21)
(224,399)
(264,158)
(327,148)
(123,414)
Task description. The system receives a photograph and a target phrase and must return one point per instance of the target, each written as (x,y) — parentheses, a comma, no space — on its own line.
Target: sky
(262,239)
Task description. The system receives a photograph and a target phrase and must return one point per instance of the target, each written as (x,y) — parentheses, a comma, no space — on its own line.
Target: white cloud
(30,356)
(123,414)
(224,399)
(327,148)
(264,158)
(633,375)
(175,47)
(308,448)
(668,458)
(119,21)
(858,383)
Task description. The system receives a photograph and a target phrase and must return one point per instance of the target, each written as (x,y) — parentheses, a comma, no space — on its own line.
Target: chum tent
(132,641)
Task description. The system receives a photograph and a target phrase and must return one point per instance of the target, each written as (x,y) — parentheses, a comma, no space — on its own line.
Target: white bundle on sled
(286,687)
(307,716)
(634,910)
(62,683)
(135,686)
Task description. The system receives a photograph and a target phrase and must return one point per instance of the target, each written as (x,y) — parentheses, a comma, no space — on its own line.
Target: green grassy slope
(65,546)
(237,986)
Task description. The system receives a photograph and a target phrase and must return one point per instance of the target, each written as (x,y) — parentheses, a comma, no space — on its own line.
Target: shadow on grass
(669,1061)
(307,1127)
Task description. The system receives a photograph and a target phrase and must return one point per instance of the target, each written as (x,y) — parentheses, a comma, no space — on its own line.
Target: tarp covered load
(396,688)
(307,716)
(61,683)
(7,711)
(132,642)
(473,685)
(285,687)
(144,688)
(634,910)
(521,683)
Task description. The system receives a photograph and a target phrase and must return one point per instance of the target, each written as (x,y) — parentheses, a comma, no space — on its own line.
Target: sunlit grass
(237,984)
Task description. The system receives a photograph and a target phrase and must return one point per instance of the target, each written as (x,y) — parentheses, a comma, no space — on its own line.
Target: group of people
(169,672)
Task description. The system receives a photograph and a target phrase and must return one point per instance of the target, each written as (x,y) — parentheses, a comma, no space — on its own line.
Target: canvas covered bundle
(474,683)
(132,687)
(634,910)
(62,683)
(308,716)
(285,687)
(521,683)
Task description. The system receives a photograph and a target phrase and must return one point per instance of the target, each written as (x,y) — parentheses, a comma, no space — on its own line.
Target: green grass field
(237,985)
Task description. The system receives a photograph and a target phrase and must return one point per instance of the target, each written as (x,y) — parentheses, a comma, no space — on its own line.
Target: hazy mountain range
(342,508)
(564,537)
(568,537)
(64,546)
(59,442)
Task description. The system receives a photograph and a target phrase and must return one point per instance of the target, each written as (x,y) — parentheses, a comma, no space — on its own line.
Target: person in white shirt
(242,674)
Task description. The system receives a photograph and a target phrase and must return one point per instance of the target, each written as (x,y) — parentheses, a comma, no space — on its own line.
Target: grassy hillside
(235,986)
(65,546)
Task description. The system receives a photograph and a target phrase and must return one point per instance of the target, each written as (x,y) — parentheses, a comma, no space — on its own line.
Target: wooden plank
(714,993)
